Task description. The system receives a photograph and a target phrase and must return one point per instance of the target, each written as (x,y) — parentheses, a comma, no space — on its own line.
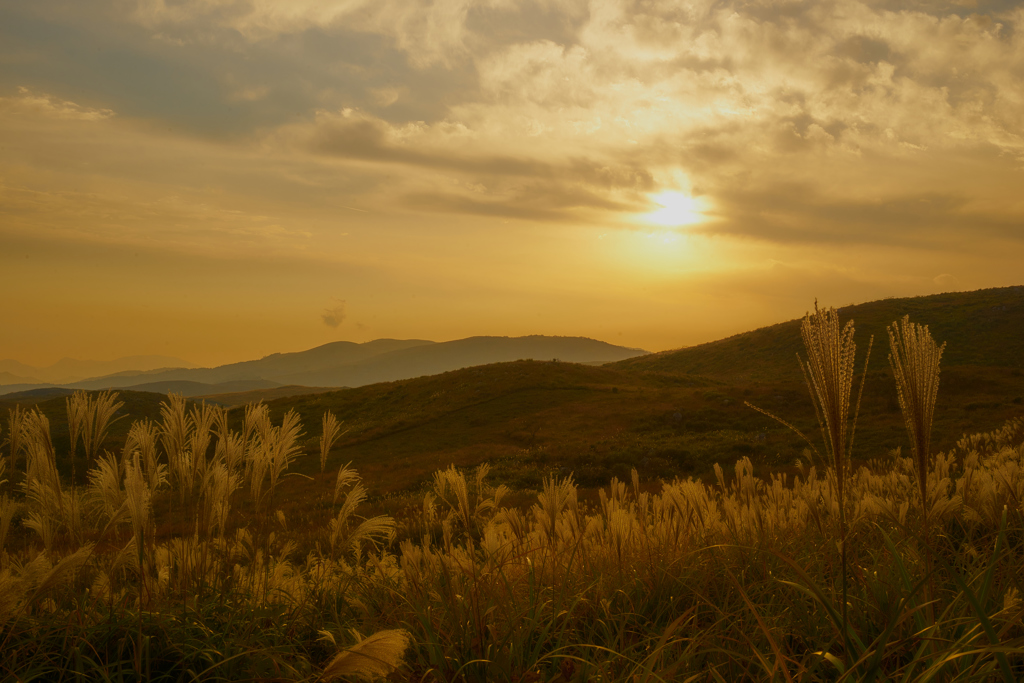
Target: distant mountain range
(338,364)
(69,370)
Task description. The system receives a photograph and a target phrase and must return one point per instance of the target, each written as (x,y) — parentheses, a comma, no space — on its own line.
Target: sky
(219,180)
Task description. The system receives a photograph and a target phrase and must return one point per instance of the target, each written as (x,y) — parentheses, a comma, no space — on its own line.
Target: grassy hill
(670,414)
(982,328)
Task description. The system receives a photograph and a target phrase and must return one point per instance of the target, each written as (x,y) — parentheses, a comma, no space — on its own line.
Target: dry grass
(673,580)
(328,436)
(915,365)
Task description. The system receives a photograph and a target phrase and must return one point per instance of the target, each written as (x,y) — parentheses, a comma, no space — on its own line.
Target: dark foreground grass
(739,581)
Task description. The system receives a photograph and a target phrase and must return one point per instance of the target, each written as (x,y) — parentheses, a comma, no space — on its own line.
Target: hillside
(528,418)
(981,328)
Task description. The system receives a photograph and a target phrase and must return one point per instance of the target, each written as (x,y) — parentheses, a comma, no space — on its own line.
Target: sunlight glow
(676,209)
(654,252)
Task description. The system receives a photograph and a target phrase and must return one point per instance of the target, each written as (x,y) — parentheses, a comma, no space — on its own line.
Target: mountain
(70,370)
(434,359)
(268,368)
(10,378)
(341,364)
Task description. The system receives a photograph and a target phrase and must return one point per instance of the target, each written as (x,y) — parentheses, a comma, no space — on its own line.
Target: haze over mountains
(69,370)
(338,364)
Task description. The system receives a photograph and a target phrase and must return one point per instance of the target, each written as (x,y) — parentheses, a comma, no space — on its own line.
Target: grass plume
(914,358)
(328,436)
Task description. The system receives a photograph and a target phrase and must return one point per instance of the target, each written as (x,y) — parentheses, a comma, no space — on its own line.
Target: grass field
(616,523)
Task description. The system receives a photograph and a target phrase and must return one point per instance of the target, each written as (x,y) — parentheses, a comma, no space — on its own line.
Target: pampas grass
(89,418)
(15,429)
(678,581)
(915,365)
(328,436)
(8,509)
(370,658)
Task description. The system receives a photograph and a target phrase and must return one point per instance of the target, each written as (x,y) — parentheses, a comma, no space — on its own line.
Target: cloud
(334,316)
(845,121)
(30,103)
(429,32)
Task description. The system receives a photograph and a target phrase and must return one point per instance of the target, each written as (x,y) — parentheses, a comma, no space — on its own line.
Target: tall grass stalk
(15,431)
(328,436)
(828,371)
(915,360)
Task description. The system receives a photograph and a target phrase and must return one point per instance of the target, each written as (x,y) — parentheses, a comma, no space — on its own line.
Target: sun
(676,209)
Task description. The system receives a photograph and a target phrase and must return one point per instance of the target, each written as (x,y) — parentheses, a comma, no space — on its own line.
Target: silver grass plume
(175,429)
(218,485)
(103,490)
(138,501)
(339,525)
(285,446)
(450,486)
(15,430)
(138,497)
(329,435)
(48,507)
(372,657)
(269,450)
(202,418)
(77,406)
(346,476)
(95,414)
(915,365)
(379,529)
(38,577)
(142,437)
(828,372)
(555,496)
(230,449)
(255,415)
(829,376)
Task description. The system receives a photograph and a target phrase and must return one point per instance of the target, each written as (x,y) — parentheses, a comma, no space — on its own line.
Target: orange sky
(222,179)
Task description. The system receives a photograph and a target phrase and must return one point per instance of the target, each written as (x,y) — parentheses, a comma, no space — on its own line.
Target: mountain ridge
(341,364)
(70,370)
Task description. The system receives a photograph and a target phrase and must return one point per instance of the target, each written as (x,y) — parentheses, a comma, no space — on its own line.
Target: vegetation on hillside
(983,329)
(180,555)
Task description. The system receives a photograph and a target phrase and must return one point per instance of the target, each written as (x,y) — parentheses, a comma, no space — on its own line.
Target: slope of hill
(981,328)
(191,389)
(530,418)
(241,398)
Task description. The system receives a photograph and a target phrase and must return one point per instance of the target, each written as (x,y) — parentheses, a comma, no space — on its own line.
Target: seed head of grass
(329,435)
(372,657)
(91,417)
(828,372)
(915,360)
(346,476)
